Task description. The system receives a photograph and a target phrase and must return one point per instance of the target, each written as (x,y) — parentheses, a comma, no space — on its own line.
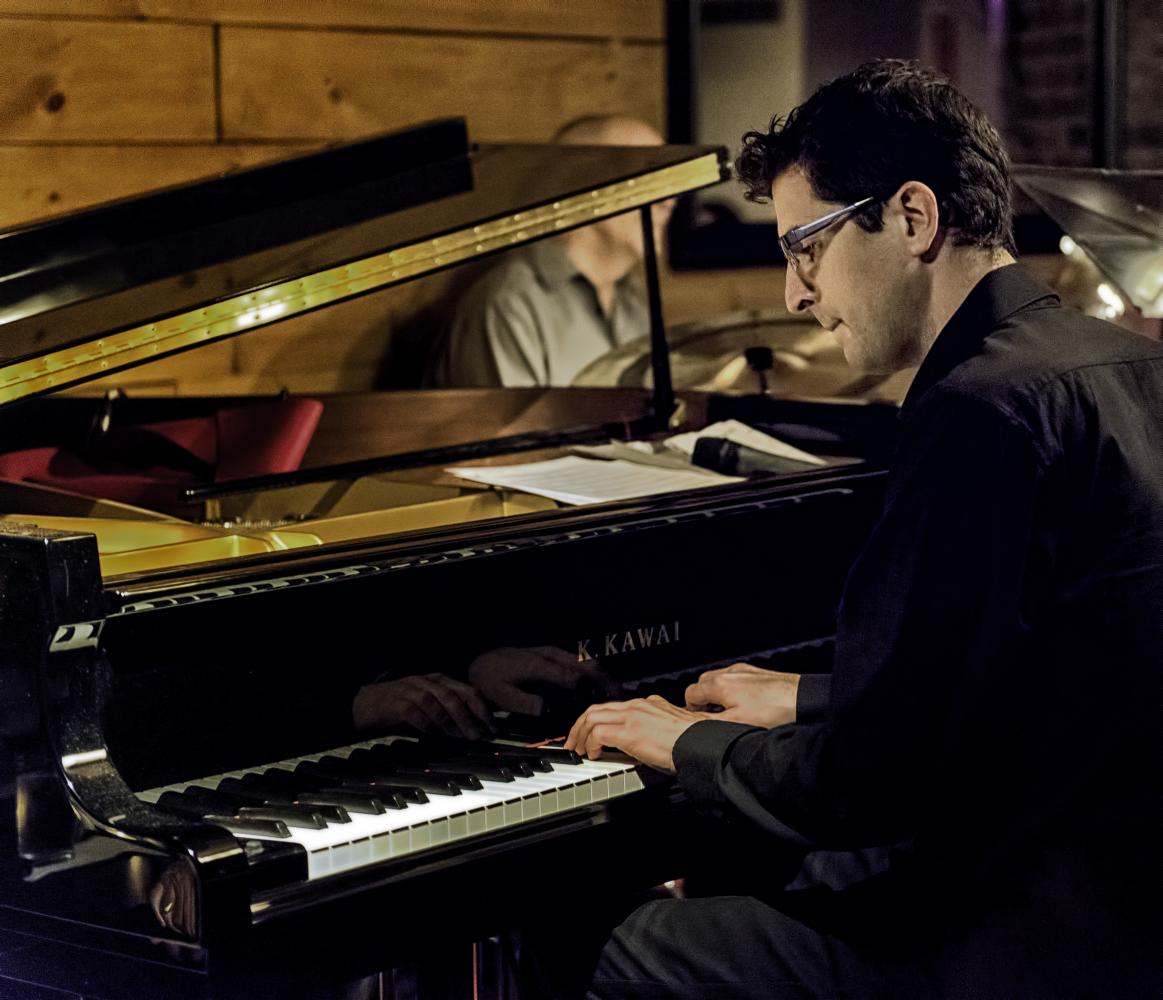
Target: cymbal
(806,361)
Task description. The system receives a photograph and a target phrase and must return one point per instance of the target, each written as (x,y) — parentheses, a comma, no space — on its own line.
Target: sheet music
(576,480)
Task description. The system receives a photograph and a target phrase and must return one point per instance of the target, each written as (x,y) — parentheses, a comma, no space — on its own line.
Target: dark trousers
(742,948)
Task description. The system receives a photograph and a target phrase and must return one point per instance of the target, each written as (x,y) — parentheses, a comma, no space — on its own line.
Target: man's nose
(798,294)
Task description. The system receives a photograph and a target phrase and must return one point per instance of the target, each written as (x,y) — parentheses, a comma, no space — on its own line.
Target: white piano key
(443,819)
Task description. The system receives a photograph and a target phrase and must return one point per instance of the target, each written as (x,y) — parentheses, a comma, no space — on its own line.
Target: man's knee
(637,947)
(688,947)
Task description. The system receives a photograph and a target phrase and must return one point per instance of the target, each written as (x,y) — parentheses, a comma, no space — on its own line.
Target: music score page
(576,480)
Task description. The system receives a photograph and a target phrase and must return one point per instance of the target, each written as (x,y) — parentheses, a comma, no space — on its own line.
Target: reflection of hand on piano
(505,675)
(747,694)
(432,703)
(645,728)
(173,899)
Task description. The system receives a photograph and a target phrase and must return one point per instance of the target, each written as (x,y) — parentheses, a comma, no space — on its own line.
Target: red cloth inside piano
(150,465)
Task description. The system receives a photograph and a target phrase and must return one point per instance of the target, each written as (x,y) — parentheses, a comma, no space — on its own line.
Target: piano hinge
(78,636)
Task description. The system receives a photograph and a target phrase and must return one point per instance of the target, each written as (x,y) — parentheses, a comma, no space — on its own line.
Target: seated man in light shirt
(545,311)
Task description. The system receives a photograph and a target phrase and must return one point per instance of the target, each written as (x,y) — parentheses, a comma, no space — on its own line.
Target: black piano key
(471,768)
(551,754)
(370,764)
(221,802)
(176,802)
(538,758)
(523,767)
(333,812)
(427,757)
(414,788)
(542,765)
(329,775)
(281,779)
(374,787)
(330,768)
(243,826)
(431,776)
(407,753)
(209,800)
(520,768)
(357,801)
(521,761)
(412,791)
(554,755)
(388,758)
(308,787)
(190,808)
(288,814)
(469,754)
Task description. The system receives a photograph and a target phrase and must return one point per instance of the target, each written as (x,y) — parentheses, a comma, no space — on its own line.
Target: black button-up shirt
(996,686)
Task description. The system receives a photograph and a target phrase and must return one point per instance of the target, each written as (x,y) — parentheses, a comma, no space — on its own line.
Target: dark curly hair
(887,122)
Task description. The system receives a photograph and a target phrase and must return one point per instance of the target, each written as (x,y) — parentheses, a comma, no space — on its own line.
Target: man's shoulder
(1050,349)
(511,278)
(1046,374)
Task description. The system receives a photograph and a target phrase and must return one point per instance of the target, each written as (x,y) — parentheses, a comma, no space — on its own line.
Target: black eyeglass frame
(791,241)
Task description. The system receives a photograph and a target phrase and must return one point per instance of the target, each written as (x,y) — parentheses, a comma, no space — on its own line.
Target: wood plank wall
(104,98)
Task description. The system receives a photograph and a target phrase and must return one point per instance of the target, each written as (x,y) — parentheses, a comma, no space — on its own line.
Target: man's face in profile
(851,281)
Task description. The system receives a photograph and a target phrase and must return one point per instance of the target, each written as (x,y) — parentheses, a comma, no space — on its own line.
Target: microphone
(733,459)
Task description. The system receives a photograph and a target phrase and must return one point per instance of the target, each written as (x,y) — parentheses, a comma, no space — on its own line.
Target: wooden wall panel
(36,181)
(278,83)
(86,80)
(558,18)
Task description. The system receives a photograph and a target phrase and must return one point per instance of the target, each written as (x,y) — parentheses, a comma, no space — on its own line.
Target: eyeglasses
(792,242)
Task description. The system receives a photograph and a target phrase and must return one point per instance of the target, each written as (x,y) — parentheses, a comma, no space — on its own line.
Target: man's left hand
(645,728)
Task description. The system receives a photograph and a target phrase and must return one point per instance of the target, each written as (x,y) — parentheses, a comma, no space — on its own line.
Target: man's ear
(914,211)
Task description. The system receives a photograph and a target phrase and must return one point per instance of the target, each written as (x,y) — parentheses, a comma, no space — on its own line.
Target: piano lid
(90,293)
(1116,216)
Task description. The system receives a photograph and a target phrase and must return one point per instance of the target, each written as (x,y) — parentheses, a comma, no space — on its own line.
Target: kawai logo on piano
(631,640)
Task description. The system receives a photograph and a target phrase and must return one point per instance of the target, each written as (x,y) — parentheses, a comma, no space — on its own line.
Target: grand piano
(194,589)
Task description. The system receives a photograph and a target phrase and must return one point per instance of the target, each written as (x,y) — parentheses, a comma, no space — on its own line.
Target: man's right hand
(747,694)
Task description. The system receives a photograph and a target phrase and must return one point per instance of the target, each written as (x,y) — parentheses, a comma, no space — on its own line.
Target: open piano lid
(90,293)
(1116,216)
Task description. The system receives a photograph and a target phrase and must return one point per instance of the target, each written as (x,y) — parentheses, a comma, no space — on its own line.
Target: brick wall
(1049,88)
(1143,132)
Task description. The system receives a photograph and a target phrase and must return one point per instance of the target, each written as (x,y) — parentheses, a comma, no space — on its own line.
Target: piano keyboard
(362,804)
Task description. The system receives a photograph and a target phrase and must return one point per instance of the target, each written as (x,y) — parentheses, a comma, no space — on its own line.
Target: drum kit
(749,352)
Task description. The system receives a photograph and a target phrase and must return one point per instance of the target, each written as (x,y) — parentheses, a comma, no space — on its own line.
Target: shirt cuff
(813,697)
(699,753)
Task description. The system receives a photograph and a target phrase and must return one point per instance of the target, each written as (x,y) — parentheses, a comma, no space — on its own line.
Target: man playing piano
(991,730)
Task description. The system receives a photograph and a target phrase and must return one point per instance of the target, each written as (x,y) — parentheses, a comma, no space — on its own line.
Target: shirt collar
(551,263)
(999,294)
(553,268)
